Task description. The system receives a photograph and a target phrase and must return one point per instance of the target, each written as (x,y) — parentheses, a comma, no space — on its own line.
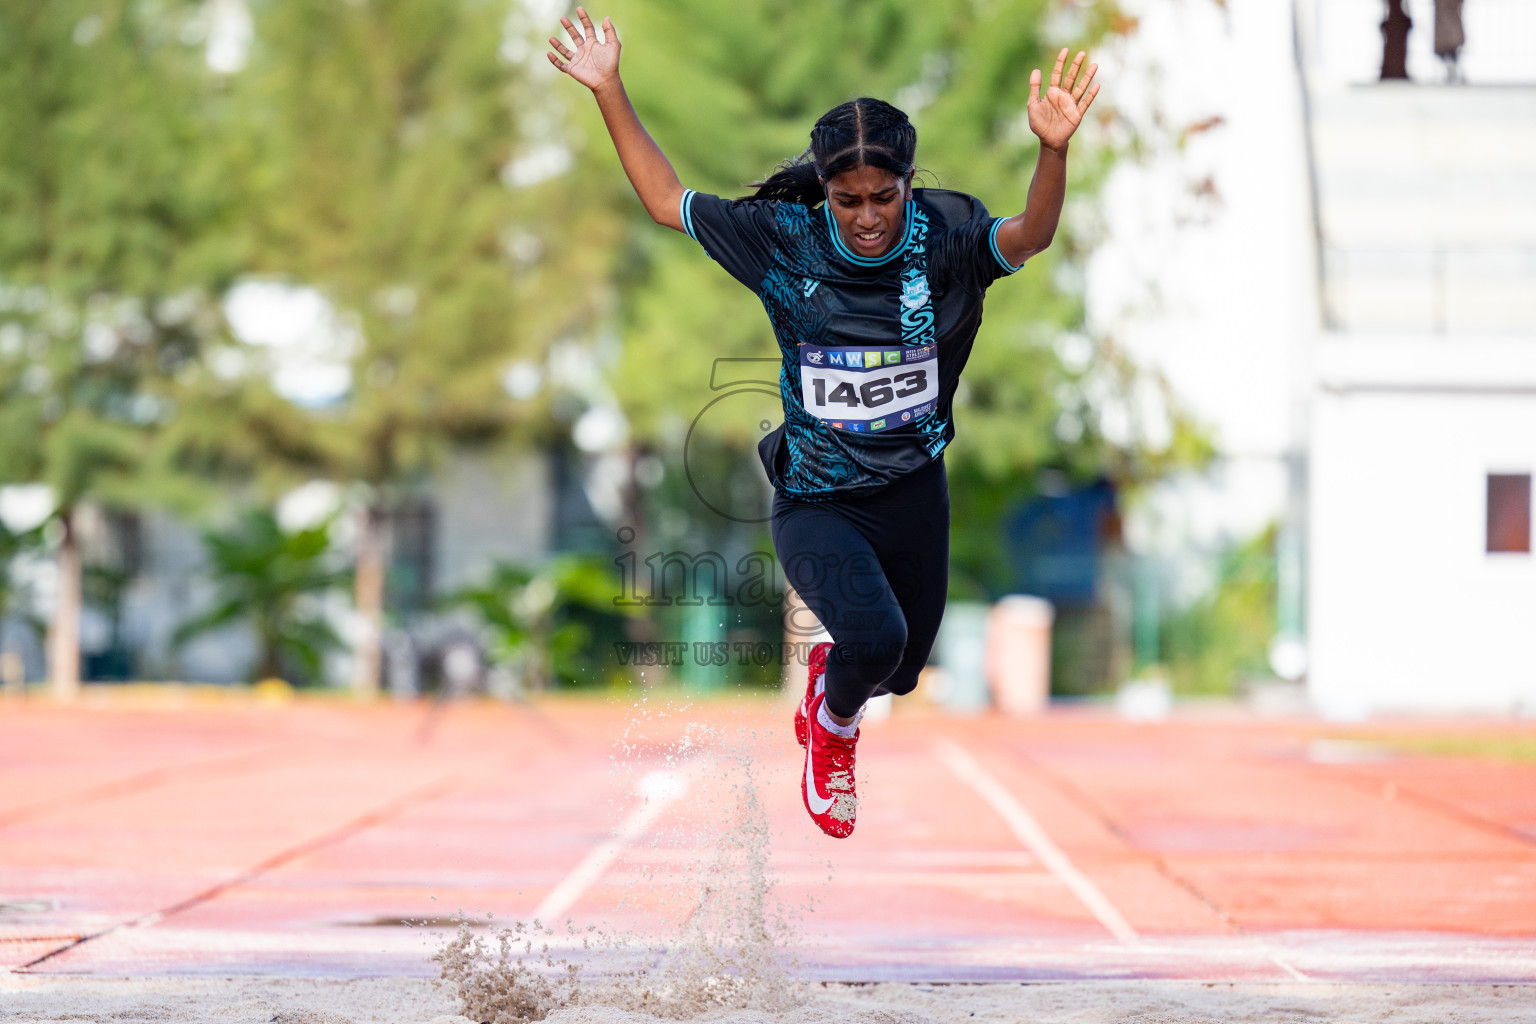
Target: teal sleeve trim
(992,241)
(685,212)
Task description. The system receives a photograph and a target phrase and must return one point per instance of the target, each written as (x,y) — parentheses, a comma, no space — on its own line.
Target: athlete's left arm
(1054,117)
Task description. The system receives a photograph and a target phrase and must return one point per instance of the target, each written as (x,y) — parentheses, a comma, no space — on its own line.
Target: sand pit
(33,1000)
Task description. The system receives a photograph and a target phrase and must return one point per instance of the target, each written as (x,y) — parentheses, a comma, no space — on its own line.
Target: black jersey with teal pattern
(872,347)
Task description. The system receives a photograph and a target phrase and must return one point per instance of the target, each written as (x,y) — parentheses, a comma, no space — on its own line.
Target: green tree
(387,136)
(271,579)
(114,242)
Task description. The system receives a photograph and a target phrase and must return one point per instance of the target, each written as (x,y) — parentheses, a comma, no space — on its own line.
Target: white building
(1422,400)
(1338,278)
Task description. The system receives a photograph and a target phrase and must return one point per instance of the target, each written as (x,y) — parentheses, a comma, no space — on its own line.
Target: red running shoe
(827,788)
(818,669)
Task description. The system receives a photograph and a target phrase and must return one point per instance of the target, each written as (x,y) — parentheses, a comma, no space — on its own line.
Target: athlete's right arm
(595,65)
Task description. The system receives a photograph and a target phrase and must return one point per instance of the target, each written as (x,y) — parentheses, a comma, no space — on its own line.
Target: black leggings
(875,571)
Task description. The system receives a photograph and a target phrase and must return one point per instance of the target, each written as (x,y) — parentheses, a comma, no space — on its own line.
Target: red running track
(170,832)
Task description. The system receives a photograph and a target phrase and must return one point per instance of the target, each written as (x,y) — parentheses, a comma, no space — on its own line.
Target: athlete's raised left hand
(593,62)
(1056,115)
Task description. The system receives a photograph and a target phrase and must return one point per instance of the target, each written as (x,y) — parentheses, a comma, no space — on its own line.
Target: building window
(412,536)
(1509,512)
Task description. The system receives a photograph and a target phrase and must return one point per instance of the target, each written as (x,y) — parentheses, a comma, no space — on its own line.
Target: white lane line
(1282,962)
(1028,831)
(656,790)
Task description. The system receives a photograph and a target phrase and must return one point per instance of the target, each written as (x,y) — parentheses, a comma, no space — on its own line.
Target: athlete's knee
(881,649)
(903,680)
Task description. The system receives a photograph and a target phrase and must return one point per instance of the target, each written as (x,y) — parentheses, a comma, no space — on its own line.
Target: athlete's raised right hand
(593,63)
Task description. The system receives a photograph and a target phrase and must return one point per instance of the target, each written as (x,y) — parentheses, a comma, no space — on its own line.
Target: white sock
(845,731)
(821,685)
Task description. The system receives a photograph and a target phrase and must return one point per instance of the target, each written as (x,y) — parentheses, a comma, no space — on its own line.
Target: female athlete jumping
(875,299)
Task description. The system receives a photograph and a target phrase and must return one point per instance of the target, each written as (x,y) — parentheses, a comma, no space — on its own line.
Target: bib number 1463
(871,394)
(868,389)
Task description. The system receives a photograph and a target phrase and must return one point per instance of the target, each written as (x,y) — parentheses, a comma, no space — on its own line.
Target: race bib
(869,389)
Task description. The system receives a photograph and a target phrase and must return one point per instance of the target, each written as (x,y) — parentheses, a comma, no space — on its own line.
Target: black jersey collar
(870,261)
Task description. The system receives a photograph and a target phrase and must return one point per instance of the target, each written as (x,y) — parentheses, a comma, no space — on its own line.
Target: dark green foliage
(1214,644)
(106,185)
(1086,653)
(272,580)
(551,624)
(14,543)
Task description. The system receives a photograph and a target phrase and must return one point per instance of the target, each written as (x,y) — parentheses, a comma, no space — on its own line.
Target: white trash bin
(1019,654)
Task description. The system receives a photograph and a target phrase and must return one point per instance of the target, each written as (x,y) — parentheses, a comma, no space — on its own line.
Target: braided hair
(859,133)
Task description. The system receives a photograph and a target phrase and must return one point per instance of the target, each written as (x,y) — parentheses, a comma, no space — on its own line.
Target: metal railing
(1431,289)
(1340,40)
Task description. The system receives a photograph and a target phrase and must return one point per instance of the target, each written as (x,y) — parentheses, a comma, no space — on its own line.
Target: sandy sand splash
(731,952)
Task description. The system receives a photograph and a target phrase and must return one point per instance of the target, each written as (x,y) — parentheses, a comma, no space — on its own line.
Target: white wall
(1204,273)
(1425,379)
(172,587)
(1407,610)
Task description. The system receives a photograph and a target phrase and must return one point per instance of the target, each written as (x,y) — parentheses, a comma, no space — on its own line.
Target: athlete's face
(868,205)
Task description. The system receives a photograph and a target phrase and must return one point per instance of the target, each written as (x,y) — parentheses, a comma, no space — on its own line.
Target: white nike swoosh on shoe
(813,799)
